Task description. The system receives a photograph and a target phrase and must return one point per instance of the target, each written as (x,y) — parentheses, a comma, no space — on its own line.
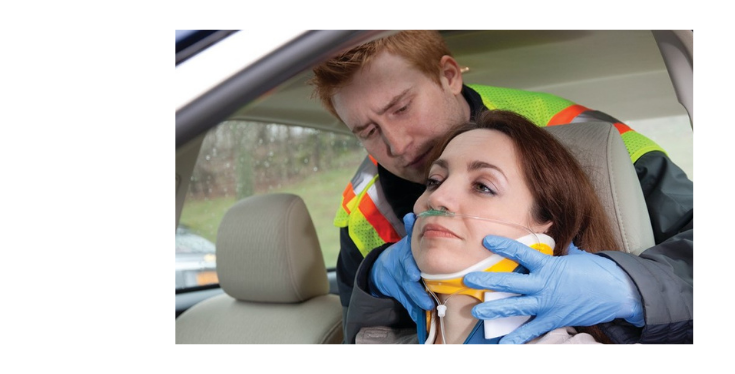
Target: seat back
(602,154)
(271,269)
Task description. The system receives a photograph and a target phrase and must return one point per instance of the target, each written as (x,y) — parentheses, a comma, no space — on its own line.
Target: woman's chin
(431,266)
(442,257)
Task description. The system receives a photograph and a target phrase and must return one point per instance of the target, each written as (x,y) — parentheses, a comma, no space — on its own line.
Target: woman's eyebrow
(441,163)
(477,165)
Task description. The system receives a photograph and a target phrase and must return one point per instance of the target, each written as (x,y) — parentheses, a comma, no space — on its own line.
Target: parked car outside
(195,260)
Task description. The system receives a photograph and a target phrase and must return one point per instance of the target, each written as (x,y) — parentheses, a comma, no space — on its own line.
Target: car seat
(271,270)
(602,154)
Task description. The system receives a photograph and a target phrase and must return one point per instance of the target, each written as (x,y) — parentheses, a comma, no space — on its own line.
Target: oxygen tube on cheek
(452,284)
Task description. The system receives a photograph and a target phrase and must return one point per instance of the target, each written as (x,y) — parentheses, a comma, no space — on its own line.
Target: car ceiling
(620,72)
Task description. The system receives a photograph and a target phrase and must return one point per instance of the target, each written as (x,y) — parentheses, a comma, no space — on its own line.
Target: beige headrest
(602,154)
(268,251)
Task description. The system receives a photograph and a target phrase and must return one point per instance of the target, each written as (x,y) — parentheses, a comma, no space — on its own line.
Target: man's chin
(410,174)
(414,176)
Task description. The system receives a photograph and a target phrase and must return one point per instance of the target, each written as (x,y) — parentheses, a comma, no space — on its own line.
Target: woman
(518,179)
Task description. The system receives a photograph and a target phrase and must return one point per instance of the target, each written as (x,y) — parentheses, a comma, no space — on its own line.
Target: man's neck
(473,101)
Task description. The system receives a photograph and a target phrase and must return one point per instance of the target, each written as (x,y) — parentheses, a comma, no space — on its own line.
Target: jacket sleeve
(359,307)
(669,195)
(347,263)
(366,310)
(663,274)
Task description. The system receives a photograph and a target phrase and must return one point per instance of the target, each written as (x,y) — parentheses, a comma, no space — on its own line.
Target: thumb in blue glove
(579,289)
(396,274)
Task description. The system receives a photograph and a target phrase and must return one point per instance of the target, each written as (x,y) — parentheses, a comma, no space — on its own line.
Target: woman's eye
(432,183)
(484,189)
(402,109)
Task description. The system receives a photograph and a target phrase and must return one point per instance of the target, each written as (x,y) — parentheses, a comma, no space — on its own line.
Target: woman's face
(478,174)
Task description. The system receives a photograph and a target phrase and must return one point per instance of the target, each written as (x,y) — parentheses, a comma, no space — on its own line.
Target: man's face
(399,114)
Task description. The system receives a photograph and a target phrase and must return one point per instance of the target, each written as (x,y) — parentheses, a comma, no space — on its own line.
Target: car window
(242,158)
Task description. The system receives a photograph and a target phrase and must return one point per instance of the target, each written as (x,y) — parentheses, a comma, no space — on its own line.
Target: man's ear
(451,72)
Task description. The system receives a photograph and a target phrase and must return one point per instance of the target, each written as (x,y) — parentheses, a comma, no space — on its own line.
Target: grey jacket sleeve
(366,310)
(669,195)
(663,274)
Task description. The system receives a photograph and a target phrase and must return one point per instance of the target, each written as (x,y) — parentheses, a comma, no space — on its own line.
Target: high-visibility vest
(548,110)
(371,221)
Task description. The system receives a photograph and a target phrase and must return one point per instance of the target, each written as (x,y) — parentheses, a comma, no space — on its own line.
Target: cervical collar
(452,283)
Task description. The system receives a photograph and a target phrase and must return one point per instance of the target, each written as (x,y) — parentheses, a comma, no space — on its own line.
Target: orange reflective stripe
(566,115)
(622,128)
(347,196)
(381,225)
(375,162)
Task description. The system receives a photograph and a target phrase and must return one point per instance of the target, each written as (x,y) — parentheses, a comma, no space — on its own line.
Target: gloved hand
(580,289)
(395,274)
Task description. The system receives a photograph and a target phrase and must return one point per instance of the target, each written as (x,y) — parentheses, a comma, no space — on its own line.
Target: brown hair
(561,191)
(423,49)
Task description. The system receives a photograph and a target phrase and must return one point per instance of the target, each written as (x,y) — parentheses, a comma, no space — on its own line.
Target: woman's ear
(451,73)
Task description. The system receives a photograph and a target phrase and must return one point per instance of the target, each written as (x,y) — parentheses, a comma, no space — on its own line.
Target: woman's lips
(433,230)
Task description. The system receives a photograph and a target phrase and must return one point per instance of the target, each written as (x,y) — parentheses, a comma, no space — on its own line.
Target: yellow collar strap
(449,284)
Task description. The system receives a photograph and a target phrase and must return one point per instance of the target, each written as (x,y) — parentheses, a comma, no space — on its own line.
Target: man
(399,95)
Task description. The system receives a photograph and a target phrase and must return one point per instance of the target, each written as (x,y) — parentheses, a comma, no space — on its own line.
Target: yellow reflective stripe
(539,107)
(360,230)
(340,219)
(361,181)
(638,145)
(363,234)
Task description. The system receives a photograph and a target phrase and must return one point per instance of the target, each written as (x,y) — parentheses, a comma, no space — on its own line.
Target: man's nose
(396,140)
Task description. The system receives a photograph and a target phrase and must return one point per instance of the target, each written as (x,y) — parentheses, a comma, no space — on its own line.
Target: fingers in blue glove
(503,282)
(396,274)
(413,286)
(408,221)
(510,282)
(530,330)
(573,250)
(512,306)
(516,251)
(579,289)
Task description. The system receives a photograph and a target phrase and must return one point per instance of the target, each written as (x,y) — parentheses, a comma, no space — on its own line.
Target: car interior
(274,280)
(274,286)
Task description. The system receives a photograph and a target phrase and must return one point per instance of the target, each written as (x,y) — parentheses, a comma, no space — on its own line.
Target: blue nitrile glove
(580,289)
(395,274)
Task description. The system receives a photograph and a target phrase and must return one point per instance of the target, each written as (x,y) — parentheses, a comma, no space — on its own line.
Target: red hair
(423,49)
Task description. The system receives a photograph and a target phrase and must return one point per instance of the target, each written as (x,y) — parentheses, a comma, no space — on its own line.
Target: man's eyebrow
(357,129)
(393,101)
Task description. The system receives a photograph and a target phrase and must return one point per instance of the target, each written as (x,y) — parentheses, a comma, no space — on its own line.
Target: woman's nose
(443,198)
